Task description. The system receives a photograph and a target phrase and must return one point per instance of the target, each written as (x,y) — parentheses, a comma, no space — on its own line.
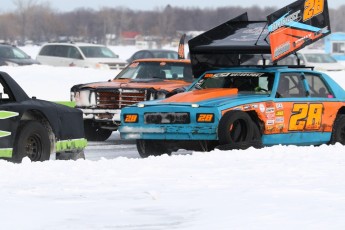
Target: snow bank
(271,188)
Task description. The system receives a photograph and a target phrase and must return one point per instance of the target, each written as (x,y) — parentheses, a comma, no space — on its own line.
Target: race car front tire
(338,133)
(234,127)
(93,133)
(255,141)
(32,141)
(237,130)
(148,148)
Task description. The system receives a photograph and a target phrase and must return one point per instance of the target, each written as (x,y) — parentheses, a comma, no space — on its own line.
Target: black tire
(247,135)
(235,127)
(255,142)
(148,148)
(32,141)
(70,155)
(93,133)
(338,133)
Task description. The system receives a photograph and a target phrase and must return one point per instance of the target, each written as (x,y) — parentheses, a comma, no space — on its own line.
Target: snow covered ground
(281,187)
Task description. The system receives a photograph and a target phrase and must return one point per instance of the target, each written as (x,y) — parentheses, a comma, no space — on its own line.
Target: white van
(79,54)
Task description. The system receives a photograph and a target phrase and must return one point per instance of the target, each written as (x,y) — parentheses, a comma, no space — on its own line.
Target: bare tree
(39,22)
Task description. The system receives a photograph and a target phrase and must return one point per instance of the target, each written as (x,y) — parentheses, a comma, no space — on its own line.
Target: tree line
(41,23)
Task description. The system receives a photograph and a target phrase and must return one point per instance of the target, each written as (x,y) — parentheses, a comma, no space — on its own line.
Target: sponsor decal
(280,126)
(280,113)
(270,122)
(270,115)
(279,119)
(279,106)
(246,107)
(297,25)
(255,106)
(270,110)
(285,20)
(306,117)
(219,75)
(280,50)
(262,108)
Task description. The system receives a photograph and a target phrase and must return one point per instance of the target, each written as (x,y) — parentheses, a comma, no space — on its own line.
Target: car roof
(271,69)
(157,50)
(5,44)
(311,51)
(73,44)
(163,60)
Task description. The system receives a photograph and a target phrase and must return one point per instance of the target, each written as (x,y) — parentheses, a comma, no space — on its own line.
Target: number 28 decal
(306,117)
(313,8)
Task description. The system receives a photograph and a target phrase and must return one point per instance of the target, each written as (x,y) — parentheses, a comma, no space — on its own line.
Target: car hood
(328,66)
(212,97)
(157,84)
(22,61)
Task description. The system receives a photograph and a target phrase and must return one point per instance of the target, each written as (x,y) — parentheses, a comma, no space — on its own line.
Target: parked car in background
(153,53)
(314,57)
(13,56)
(79,54)
(142,80)
(35,128)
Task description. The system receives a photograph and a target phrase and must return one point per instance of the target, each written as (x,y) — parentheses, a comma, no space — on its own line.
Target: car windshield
(165,54)
(12,53)
(319,58)
(248,82)
(97,52)
(159,70)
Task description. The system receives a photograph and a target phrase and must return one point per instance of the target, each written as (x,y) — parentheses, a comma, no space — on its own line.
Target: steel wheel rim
(33,147)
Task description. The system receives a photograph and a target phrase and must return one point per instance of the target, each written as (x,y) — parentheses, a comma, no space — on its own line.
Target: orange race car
(142,80)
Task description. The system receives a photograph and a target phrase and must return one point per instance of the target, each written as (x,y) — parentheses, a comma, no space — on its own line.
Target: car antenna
(181,47)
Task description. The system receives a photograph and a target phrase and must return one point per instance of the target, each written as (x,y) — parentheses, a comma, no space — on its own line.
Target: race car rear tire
(93,133)
(32,141)
(338,133)
(148,148)
(235,127)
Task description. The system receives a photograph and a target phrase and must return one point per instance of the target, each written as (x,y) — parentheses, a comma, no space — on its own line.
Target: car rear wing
(243,42)
(297,25)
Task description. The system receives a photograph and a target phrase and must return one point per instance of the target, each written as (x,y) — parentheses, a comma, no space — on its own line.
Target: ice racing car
(35,128)
(142,80)
(236,106)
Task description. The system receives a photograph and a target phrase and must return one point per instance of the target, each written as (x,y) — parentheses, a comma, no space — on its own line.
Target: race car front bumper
(102,114)
(170,132)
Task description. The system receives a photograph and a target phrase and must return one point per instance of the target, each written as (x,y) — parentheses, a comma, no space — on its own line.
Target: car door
(8,120)
(298,114)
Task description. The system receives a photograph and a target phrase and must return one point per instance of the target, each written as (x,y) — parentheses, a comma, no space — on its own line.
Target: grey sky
(68,5)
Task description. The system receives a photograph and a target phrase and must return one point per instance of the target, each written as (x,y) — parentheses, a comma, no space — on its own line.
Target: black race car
(35,128)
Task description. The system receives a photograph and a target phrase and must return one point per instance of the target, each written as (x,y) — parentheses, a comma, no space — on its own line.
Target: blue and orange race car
(240,106)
